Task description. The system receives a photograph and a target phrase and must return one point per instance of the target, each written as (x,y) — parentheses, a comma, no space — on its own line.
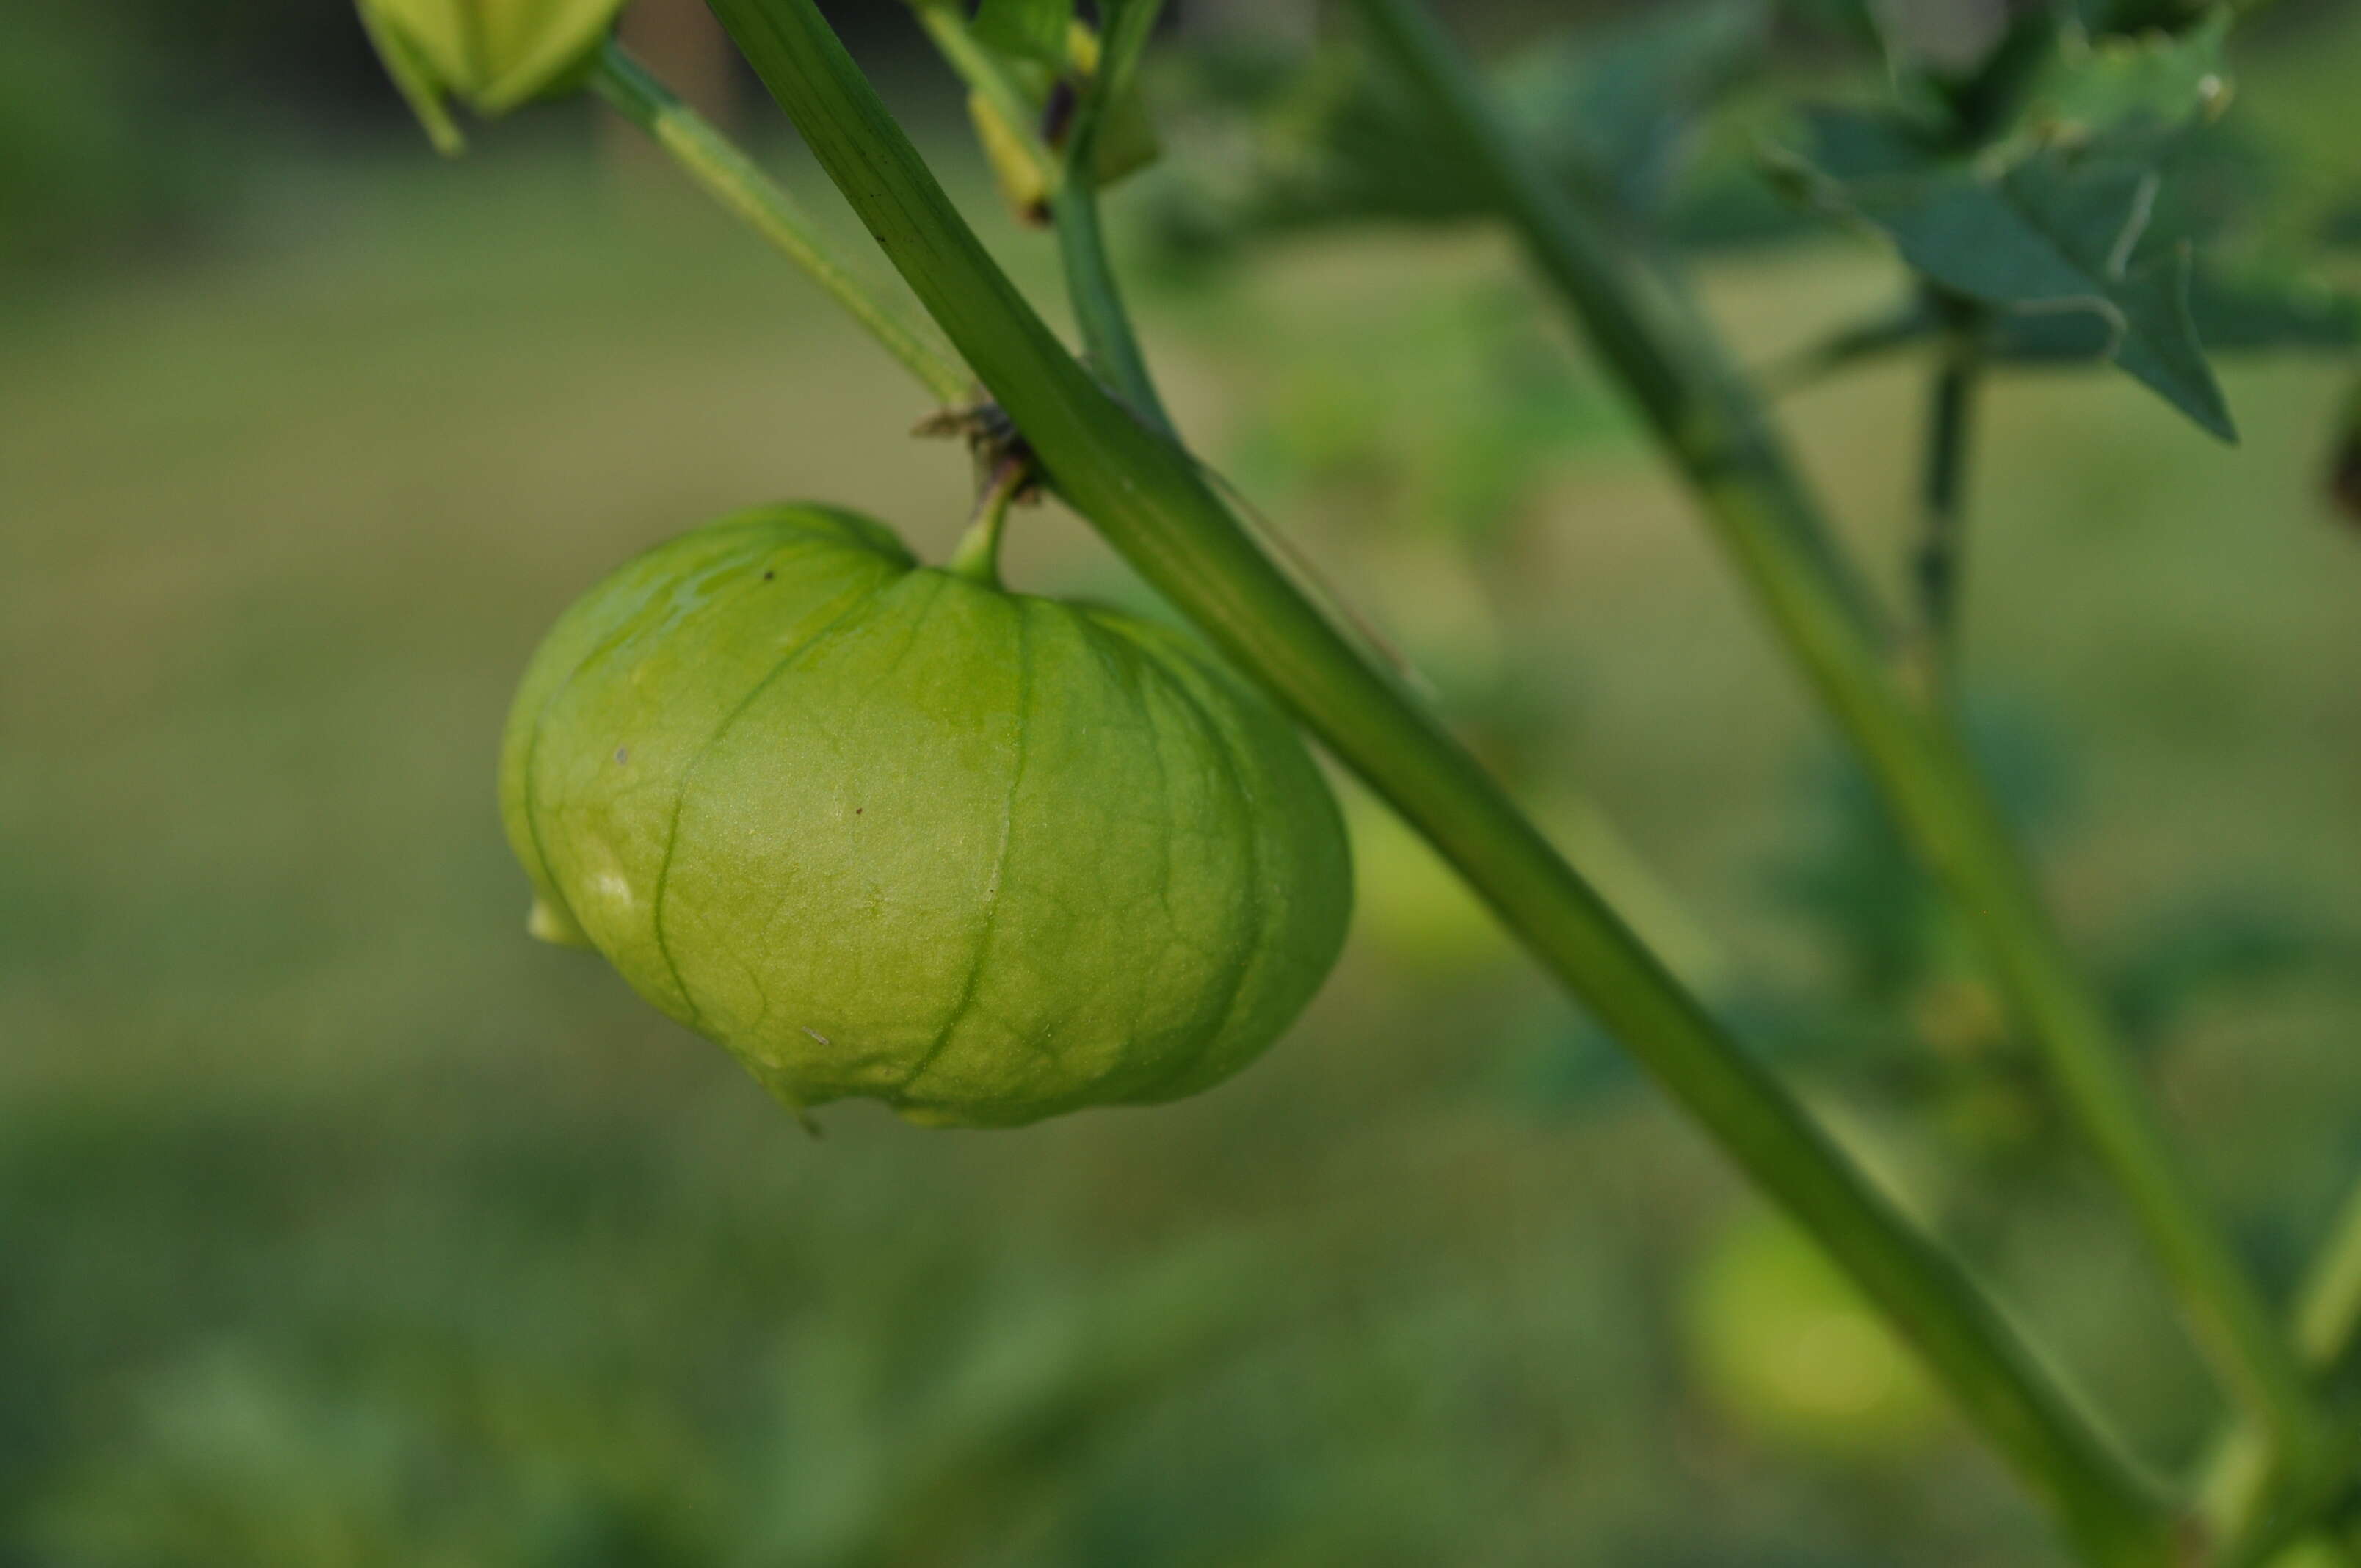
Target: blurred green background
(342,1224)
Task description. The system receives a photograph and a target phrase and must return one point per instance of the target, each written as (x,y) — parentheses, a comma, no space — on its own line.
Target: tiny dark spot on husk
(622,755)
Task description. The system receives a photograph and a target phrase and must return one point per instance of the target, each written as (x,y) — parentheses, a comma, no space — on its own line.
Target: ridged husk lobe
(884,830)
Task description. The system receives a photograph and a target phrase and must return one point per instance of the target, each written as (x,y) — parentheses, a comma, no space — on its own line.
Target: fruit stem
(1146,496)
(978,555)
(725,172)
(1717,432)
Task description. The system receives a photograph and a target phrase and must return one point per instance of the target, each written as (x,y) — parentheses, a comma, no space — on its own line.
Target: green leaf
(2231,944)
(2153,78)
(2256,308)
(2341,229)
(1029,29)
(1611,109)
(1847,22)
(1126,27)
(2062,230)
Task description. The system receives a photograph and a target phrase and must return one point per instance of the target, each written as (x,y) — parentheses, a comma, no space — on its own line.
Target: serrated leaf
(2061,230)
(2151,78)
(2255,309)
(1029,29)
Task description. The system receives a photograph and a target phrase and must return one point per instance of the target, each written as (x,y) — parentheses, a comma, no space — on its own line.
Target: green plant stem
(1108,340)
(1940,564)
(1107,337)
(731,177)
(977,556)
(2237,1486)
(1719,436)
(1847,348)
(1146,496)
(1071,187)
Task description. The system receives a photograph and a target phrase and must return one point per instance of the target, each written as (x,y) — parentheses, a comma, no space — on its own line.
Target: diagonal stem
(1716,432)
(1146,496)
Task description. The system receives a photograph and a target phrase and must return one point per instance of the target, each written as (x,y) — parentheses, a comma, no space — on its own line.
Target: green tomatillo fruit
(887,830)
(492,55)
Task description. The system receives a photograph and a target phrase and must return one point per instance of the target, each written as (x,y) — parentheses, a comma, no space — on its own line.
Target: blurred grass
(339,1224)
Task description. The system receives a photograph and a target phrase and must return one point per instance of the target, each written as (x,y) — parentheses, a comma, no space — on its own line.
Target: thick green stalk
(1146,496)
(730,176)
(1716,433)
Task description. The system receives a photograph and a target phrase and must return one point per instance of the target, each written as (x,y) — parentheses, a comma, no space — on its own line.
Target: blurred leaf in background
(81,169)
(1614,108)
(2061,230)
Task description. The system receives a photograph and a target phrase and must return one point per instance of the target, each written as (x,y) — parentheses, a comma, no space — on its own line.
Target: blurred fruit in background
(1782,1346)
